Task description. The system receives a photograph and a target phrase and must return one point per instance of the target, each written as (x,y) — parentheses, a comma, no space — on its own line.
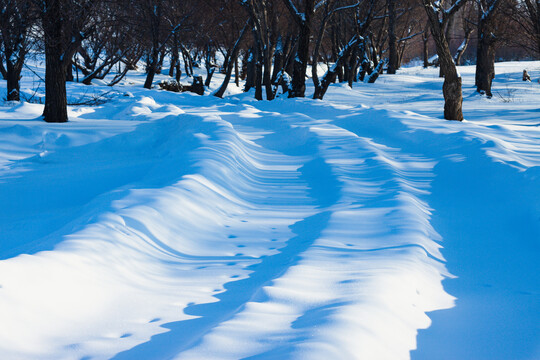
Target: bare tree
(16,20)
(65,24)
(468,28)
(533,12)
(303,20)
(438,18)
(487,39)
(392,38)
(232,61)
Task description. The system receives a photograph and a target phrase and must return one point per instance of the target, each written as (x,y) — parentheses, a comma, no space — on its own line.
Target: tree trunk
(330,76)
(3,71)
(69,71)
(236,72)
(453,98)
(55,69)
(55,86)
(425,39)
(392,41)
(233,61)
(298,88)
(351,66)
(485,67)
(278,60)
(151,69)
(461,50)
(13,75)
(174,57)
(485,55)
(258,75)
(250,70)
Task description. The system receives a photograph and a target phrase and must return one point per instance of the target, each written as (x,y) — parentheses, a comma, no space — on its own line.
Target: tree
(65,24)
(533,13)
(392,38)
(438,18)
(487,39)
(468,29)
(232,60)
(16,20)
(303,21)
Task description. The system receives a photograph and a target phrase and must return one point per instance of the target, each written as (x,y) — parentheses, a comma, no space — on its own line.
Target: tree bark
(55,86)
(298,88)
(13,75)
(453,97)
(392,40)
(233,62)
(330,76)
(55,69)
(461,50)
(151,69)
(485,67)
(3,71)
(250,70)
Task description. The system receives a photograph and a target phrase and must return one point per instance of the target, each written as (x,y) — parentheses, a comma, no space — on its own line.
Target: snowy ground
(173,226)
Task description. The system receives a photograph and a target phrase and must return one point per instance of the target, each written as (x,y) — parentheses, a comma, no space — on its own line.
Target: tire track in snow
(363,287)
(272,248)
(259,183)
(121,280)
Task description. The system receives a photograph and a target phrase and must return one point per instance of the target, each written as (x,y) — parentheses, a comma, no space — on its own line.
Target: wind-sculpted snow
(170,226)
(295,248)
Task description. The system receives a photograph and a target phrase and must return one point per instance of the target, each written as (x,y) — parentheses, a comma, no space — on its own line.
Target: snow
(163,225)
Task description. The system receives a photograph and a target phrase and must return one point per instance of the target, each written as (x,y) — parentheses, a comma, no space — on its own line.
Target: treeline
(268,44)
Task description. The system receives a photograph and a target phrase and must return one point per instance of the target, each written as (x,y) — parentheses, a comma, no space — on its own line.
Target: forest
(267,44)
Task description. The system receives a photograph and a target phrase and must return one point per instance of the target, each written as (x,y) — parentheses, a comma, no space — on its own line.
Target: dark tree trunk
(55,86)
(453,98)
(210,69)
(236,72)
(209,77)
(174,57)
(69,71)
(250,70)
(298,88)
(425,39)
(278,61)
(172,66)
(13,75)
(151,69)
(461,50)
(351,66)
(533,8)
(55,69)
(188,61)
(330,76)
(392,41)
(3,71)
(160,61)
(233,61)
(258,75)
(485,53)
(485,67)
(178,71)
